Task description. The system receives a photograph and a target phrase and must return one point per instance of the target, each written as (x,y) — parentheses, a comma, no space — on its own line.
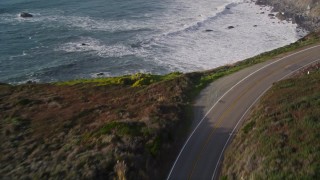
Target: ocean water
(68,39)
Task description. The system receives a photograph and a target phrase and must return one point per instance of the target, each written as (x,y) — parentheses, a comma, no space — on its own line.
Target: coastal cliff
(306,13)
(128,127)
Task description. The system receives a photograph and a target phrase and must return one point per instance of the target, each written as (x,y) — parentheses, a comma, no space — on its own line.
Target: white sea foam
(96,47)
(192,49)
(86,23)
(199,50)
(30,80)
(19,55)
(108,74)
(89,24)
(177,16)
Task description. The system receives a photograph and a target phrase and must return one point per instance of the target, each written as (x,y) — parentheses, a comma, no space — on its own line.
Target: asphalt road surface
(223,105)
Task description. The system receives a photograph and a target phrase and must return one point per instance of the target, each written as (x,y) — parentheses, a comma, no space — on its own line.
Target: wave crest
(94,46)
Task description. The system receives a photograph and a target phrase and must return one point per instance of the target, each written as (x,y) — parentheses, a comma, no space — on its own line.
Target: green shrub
(154,146)
(18,123)
(24,102)
(248,127)
(135,80)
(122,128)
(125,81)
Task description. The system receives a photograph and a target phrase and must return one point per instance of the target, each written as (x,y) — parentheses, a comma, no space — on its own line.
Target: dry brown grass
(83,130)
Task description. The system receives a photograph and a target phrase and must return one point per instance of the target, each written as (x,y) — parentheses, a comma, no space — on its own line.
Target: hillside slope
(90,130)
(281,138)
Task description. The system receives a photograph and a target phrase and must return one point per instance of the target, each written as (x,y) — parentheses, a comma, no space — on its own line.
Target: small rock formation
(25,15)
(271,15)
(100,74)
(30,82)
(255,25)
(137,45)
(280,16)
(84,44)
(230,27)
(303,12)
(209,30)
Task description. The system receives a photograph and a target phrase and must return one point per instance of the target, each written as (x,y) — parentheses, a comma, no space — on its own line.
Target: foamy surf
(252,33)
(152,36)
(96,47)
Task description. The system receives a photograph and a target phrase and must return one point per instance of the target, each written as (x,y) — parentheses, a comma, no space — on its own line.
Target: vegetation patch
(154,146)
(134,80)
(122,128)
(91,129)
(248,127)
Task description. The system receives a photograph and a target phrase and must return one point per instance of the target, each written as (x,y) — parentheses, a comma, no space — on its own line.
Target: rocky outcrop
(25,15)
(306,13)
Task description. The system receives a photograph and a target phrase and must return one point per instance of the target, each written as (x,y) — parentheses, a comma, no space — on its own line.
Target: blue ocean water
(68,39)
(28,45)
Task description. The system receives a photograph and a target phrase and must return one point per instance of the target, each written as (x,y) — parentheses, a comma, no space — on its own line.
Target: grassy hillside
(91,130)
(281,138)
(105,128)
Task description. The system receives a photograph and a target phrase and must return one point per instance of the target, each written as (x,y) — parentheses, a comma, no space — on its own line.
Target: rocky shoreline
(306,13)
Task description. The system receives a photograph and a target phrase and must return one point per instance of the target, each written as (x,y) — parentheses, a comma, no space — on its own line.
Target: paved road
(222,106)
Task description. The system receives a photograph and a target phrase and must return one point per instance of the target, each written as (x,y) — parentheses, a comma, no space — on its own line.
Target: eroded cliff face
(306,13)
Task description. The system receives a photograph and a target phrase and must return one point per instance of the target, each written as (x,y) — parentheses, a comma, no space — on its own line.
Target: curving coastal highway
(223,105)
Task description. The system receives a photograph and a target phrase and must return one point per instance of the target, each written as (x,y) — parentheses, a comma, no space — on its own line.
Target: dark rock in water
(227,8)
(209,30)
(100,74)
(255,25)
(137,45)
(25,15)
(84,44)
(31,82)
(299,19)
(230,27)
(280,16)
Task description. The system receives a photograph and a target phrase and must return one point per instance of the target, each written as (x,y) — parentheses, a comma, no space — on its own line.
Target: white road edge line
(231,134)
(175,162)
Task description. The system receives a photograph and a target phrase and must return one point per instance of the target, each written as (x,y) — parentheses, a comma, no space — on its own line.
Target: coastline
(185,46)
(130,121)
(306,16)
